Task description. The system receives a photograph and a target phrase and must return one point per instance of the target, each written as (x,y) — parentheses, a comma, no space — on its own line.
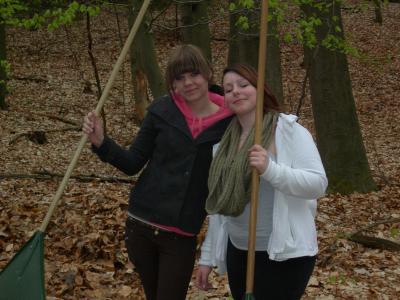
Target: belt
(156,230)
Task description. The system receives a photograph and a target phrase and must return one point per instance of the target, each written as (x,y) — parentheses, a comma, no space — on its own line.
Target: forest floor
(85,257)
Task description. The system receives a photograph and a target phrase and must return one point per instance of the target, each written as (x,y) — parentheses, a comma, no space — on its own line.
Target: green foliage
(278,9)
(333,42)
(246,3)
(60,17)
(36,14)
(9,9)
(341,235)
(243,22)
(306,31)
(337,279)
(5,67)
(243,6)
(394,232)
(30,15)
(303,28)
(4,71)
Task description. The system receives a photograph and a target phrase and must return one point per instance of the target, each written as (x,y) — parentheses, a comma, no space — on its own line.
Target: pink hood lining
(198,124)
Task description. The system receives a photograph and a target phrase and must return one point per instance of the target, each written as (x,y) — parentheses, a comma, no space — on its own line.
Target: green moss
(345,186)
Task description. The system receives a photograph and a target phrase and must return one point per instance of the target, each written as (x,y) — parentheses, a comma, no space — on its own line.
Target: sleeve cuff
(104,149)
(269,170)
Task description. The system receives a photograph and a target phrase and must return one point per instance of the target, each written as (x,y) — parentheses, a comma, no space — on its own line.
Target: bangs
(184,65)
(186,59)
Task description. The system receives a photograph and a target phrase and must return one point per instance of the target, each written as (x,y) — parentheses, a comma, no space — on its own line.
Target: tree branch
(45,175)
(303,90)
(58,118)
(96,72)
(39,136)
(375,242)
(368,227)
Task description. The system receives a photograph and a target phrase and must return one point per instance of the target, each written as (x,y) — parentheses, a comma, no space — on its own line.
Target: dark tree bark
(3,75)
(243,47)
(378,11)
(233,54)
(194,18)
(143,57)
(338,132)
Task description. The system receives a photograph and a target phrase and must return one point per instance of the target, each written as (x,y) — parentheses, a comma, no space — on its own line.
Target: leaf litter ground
(84,248)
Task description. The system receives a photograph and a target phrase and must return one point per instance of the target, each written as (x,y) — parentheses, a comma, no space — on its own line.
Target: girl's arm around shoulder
(299,171)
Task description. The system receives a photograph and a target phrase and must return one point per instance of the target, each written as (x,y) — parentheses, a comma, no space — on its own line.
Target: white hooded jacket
(298,178)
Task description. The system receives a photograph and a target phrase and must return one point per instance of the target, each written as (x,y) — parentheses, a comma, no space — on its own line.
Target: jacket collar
(166,109)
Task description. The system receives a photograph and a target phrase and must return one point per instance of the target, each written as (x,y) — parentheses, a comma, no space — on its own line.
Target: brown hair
(186,58)
(250,74)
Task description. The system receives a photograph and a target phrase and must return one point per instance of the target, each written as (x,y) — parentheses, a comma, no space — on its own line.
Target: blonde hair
(186,58)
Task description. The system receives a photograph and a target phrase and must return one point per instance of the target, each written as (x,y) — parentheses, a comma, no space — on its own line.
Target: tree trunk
(243,47)
(338,133)
(233,53)
(378,11)
(144,61)
(194,18)
(3,75)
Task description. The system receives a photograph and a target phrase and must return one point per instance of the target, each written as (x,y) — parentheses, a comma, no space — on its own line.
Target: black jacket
(172,188)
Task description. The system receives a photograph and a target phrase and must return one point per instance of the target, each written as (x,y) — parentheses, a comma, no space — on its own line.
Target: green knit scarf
(230,175)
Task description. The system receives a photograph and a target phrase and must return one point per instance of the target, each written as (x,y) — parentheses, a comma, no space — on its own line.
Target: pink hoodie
(198,124)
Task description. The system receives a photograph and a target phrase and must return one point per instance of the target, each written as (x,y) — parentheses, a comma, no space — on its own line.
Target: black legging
(163,260)
(273,280)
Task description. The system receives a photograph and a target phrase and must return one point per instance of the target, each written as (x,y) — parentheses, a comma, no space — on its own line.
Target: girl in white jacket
(292,177)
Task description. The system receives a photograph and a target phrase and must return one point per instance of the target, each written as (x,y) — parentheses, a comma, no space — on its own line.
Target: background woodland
(54,79)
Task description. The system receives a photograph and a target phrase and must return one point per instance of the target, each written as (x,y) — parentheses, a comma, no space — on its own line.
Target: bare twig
(75,56)
(92,59)
(96,72)
(368,227)
(39,136)
(85,178)
(121,44)
(209,21)
(370,139)
(303,90)
(58,118)
(29,78)
(153,19)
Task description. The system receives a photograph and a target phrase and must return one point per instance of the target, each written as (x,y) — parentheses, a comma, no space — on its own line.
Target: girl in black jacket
(166,206)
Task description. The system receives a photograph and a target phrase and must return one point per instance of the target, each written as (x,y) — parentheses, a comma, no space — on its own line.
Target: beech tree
(3,66)
(146,73)
(195,25)
(244,26)
(338,132)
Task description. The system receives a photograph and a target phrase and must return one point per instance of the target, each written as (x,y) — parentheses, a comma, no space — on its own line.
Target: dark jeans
(273,280)
(164,260)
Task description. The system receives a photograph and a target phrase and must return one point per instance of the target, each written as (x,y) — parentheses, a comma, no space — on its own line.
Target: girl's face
(192,86)
(240,95)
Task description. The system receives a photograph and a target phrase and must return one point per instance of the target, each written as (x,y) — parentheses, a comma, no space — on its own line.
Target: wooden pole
(255,179)
(99,106)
